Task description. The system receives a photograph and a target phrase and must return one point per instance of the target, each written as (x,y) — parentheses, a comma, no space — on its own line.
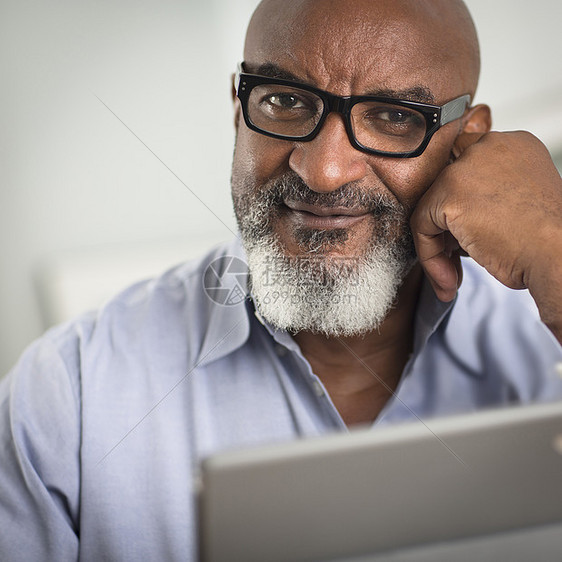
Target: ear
(236,104)
(476,123)
(477,120)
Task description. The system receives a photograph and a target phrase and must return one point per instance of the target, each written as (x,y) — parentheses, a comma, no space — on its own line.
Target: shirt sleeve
(40,457)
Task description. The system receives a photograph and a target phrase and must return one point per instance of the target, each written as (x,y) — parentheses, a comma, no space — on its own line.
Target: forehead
(358,46)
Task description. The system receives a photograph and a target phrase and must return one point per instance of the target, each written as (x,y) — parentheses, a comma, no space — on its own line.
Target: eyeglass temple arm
(239,71)
(454,109)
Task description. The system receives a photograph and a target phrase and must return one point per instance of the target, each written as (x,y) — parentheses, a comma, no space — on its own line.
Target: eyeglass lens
(292,112)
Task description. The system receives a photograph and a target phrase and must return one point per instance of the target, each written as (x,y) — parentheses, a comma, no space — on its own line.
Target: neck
(361,373)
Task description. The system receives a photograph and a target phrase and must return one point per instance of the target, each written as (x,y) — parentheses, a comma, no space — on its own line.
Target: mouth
(305,215)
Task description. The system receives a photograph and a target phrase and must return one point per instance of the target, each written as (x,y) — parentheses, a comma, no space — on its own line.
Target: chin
(324,290)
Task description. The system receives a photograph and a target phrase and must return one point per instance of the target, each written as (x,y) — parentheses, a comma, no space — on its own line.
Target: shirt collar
(461,338)
(431,312)
(228,325)
(452,319)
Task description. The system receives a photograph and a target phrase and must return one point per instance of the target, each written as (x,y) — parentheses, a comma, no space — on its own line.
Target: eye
(385,119)
(396,116)
(285,101)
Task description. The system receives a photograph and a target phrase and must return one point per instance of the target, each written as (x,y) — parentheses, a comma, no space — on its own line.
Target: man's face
(324,196)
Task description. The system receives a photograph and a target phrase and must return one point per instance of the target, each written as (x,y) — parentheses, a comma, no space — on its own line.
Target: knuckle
(515,140)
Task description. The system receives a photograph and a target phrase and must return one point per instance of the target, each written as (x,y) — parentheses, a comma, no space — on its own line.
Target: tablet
(470,484)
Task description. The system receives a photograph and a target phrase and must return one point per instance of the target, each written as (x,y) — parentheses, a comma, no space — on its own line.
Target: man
(353,212)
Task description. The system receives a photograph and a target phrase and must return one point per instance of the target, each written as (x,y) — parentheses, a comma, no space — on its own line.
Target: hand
(500,202)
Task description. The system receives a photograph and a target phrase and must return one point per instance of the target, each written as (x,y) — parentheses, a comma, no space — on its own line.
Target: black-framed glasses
(284,109)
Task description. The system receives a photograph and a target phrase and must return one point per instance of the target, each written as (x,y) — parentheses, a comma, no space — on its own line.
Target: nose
(329,160)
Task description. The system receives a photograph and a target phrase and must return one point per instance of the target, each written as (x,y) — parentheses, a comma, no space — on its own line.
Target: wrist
(545,285)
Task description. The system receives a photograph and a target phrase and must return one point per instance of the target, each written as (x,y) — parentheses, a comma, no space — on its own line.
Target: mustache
(291,187)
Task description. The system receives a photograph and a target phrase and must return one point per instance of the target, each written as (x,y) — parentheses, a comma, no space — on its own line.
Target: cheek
(410,178)
(258,159)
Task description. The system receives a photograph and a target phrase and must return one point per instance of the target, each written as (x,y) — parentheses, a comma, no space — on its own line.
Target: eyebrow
(418,93)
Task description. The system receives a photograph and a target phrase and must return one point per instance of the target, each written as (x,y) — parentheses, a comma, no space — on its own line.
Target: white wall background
(77,187)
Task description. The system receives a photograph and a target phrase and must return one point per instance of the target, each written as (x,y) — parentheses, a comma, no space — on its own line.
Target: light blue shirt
(104,421)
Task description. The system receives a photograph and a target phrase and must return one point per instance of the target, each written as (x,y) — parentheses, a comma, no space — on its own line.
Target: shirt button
(318,389)
(558,369)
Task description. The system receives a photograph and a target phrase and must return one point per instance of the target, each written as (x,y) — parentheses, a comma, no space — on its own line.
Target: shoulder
(163,312)
(486,299)
(497,331)
(134,348)
(179,287)
(499,319)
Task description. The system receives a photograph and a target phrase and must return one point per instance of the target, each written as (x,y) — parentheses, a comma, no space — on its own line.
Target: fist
(500,202)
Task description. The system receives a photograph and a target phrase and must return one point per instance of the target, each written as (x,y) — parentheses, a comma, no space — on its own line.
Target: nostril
(325,165)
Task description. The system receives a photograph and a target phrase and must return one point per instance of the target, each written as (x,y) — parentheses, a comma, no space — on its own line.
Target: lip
(325,211)
(314,216)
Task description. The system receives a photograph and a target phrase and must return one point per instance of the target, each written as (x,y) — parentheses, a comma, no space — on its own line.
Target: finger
(454,252)
(456,260)
(437,249)
(443,271)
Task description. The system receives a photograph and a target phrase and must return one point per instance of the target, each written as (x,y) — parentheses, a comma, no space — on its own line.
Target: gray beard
(315,291)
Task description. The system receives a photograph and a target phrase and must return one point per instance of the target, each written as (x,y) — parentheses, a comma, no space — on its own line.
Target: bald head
(417,35)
